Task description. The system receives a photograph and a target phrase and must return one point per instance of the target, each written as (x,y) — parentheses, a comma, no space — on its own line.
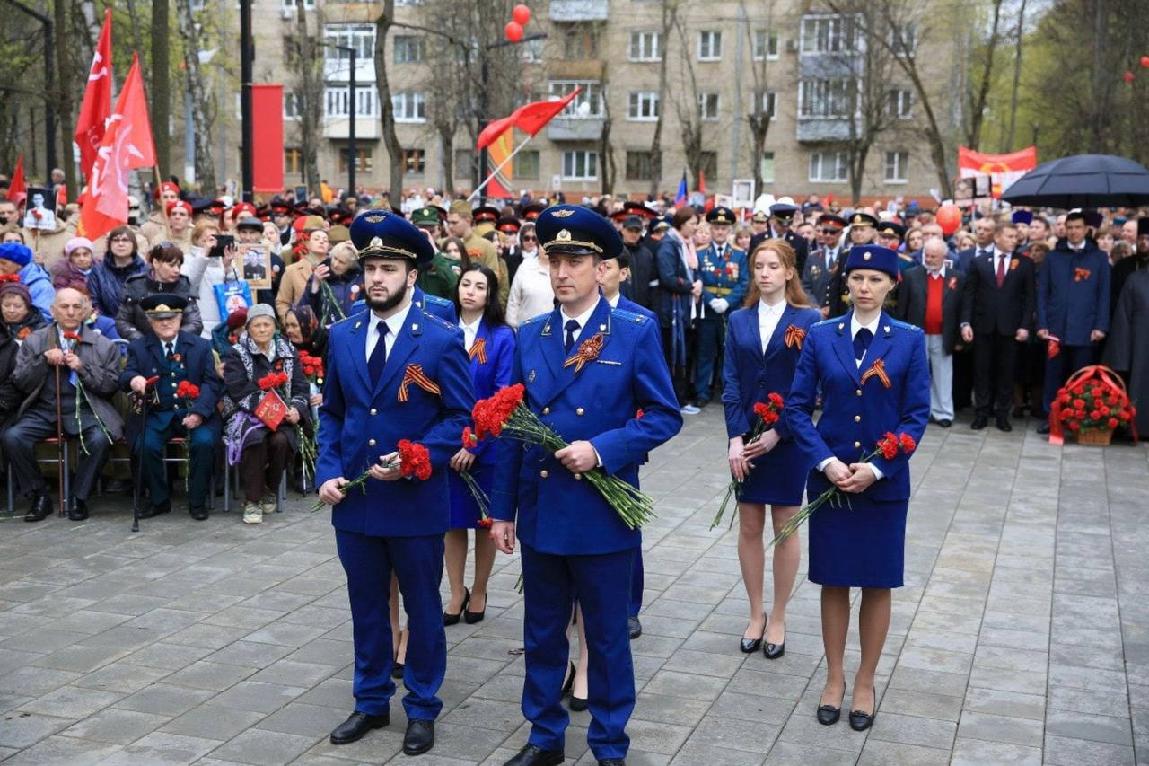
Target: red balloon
(513,31)
(949,218)
(1145,62)
(1128,77)
(522,14)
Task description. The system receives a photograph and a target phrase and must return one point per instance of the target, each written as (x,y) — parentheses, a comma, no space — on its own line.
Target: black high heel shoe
(861,720)
(774,651)
(828,714)
(568,683)
(471,618)
(751,645)
(452,619)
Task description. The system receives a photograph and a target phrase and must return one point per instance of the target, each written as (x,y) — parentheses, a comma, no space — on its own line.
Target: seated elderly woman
(19,321)
(163,276)
(258,369)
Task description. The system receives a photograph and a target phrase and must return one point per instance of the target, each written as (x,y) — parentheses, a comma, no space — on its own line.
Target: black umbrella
(1083,180)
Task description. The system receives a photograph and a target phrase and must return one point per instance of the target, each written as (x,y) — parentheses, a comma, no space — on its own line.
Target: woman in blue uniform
(763,343)
(874,379)
(490,345)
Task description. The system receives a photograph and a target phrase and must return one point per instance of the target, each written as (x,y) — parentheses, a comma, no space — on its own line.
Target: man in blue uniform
(174,357)
(725,277)
(575,546)
(1072,305)
(821,263)
(396,372)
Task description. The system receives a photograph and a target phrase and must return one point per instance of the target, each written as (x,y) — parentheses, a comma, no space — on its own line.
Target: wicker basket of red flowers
(1091,404)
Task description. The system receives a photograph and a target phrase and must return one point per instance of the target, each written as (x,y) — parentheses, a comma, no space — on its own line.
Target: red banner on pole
(1003,169)
(97,104)
(267,148)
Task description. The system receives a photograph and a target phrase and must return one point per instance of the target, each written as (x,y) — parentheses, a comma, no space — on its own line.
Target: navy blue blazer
(557,513)
(1073,293)
(749,375)
(491,370)
(856,415)
(146,357)
(359,422)
(626,304)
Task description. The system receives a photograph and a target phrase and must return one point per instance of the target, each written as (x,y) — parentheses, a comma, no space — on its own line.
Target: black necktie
(862,342)
(378,354)
(169,351)
(571,328)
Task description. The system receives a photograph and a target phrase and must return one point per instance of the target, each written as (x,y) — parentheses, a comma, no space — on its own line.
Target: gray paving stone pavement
(1022,635)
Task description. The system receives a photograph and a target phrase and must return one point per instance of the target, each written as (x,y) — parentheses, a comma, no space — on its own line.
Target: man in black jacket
(643,279)
(997,313)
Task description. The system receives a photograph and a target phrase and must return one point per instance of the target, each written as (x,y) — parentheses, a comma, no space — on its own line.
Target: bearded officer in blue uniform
(574,544)
(395,372)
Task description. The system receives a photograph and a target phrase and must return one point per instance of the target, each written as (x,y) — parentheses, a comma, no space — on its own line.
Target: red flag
(17,189)
(127,144)
(97,104)
(529,118)
(701,182)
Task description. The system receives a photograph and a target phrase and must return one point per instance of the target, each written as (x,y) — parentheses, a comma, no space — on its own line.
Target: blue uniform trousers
(418,562)
(601,584)
(1069,360)
(201,443)
(710,334)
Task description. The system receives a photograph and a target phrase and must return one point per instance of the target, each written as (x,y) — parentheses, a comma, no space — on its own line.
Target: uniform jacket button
(858,392)
(857,444)
(544,474)
(578,477)
(373,410)
(370,442)
(857,418)
(579,411)
(546,410)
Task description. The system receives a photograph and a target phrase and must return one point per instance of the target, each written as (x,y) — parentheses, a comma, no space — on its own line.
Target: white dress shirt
(855,325)
(394,324)
(470,332)
(582,319)
(768,319)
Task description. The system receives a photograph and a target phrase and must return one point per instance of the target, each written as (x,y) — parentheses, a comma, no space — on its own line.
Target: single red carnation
(469,438)
(776,399)
(907,443)
(1078,404)
(485,522)
(1074,426)
(414,460)
(888,446)
(1114,422)
(1094,415)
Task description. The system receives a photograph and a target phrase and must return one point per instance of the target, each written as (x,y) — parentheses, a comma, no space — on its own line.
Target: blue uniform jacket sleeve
(457,395)
(914,409)
(503,358)
(329,463)
(1043,296)
(668,260)
(654,394)
(736,422)
(798,412)
(509,454)
(1103,297)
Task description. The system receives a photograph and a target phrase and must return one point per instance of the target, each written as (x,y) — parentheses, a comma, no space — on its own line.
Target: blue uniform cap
(1022,216)
(16,252)
(380,233)
(873,257)
(163,305)
(570,229)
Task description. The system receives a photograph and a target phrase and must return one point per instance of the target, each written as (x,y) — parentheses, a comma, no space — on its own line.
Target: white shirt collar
(613,301)
(855,325)
(775,310)
(394,323)
(473,326)
(582,318)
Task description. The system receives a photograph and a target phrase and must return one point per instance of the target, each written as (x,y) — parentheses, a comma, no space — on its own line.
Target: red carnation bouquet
(272,380)
(505,414)
(412,459)
(69,344)
(767,414)
(1092,403)
(312,368)
(187,392)
(889,447)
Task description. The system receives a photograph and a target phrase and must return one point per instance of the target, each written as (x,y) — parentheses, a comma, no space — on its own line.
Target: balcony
(575,129)
(826,129)
(365,127)
(579,10)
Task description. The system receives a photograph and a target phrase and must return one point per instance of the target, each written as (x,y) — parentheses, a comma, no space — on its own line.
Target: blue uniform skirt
(861,545)
(778,477)
(464,509)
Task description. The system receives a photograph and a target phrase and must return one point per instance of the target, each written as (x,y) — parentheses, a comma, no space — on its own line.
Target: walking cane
(60,455)
(138,479)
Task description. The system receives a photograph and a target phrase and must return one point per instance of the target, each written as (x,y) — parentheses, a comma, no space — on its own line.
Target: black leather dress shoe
(633,627)
(78,511)
(357,725)
(40,510)
(452,619)
(536,756)
(1043,429)
(199,514)
(945,422)
(1003,425)
(774,651)
(612,762)
(979,423)
(828,715)
(860,720)
(420,736)
(156,510)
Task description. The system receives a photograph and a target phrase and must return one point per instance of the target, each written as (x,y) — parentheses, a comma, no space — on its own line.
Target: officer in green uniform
(440,278)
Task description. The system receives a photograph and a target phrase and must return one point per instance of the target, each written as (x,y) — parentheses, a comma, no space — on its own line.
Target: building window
(364,159)
(903,39)
(824,99)
(292,105)
(640,166)
(899,103)
(709,45)
(765,44)
(645,46)
(526,165)
(828,34)
(580,166)
(896,167)
(292,160)
(766,167)
(408,2)
(409,106)
(414,162)
(361,37)
(407,49)
(579,41)
(643,106)
(828,166)
(287,5)
(708,106)
(464,163)
(530,51)
(588,103)
(765,102)
(336,101)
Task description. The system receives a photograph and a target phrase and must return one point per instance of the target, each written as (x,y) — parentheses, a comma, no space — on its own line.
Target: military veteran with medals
(183,404)
(394,373)
(587,370)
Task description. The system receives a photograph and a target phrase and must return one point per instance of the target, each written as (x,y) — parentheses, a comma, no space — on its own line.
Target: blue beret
(574,229)
(873,257)
(380,233)
(1022,216)
(16,252)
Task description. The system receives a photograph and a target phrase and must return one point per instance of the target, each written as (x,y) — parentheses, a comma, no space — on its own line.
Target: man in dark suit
(782,227)
(997,311)
(984,232)
(930,297)
(820,263)
(175,357)
(643,276)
